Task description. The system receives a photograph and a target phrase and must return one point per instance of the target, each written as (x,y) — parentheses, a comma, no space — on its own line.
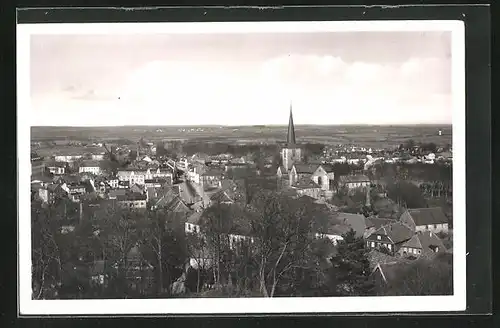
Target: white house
(90,167)
(67,158)
(426,219)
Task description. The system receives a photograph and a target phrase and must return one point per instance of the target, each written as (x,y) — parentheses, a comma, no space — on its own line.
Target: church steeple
(290,139)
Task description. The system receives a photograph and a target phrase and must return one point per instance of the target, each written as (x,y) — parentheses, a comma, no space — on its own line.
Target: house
(113,194)
(132,176)
(212,178)
(194,173)
(67,158)
(138,189)
(306,186)
(97,273)
(192,224)
(159,173)
(90,167)
(375,223)
(301,171)
(352,182)
(123,184)
(424,243)
(333,232)
(324,176)
(132,200)
(51,192)
(57,168)
(97,157)
(169,199)
(112,183)
(75,190)
(391,237)
(231,192)
(356,222)
(156,182)
(426,219)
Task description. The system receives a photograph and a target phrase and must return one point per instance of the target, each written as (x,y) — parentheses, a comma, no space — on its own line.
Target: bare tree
(282,236)
(46,257)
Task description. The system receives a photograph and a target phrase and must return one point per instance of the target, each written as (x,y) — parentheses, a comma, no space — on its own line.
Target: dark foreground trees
(423,277)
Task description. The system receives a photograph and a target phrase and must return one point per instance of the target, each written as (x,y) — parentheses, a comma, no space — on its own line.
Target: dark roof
(427,241)
(305,183)
(131,197)
(305,168)
(90,164)
(353,178)
(327,167)
(377,222)
(355,222)
(397,232)
(425,216)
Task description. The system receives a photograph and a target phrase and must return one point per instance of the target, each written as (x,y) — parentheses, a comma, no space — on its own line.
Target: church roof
(290,138)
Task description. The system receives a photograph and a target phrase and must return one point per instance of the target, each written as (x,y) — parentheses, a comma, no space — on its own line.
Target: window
(379,238)
(389,246)
(373,244)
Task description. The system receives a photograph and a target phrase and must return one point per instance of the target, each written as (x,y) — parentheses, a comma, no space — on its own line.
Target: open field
(363,135)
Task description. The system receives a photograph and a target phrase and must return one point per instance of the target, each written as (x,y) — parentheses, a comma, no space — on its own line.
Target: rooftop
(426,216)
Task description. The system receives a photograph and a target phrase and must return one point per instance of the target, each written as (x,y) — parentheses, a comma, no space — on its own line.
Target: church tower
(291,153)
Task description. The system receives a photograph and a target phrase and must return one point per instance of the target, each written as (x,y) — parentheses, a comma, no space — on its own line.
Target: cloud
(323,89)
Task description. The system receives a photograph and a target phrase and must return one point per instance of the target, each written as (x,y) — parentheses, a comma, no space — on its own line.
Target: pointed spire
(290,139)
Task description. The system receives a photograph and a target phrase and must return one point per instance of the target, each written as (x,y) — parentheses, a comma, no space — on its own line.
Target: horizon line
(239,125)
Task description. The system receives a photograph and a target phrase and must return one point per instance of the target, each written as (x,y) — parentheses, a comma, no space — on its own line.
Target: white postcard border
(455,302)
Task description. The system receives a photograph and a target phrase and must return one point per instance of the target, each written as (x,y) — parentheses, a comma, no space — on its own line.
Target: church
(291,153)
(315,180)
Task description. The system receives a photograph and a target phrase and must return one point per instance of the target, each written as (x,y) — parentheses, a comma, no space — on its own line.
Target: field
(363,135)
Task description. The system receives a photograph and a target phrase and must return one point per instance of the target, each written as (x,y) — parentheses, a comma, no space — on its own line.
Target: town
(175,218)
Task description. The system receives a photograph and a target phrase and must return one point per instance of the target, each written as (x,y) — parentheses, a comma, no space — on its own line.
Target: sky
(241,78)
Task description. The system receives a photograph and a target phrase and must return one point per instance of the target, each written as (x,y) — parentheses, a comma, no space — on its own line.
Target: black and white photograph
(241,167)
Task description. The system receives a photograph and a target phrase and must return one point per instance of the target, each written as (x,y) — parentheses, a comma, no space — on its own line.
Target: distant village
(396,202)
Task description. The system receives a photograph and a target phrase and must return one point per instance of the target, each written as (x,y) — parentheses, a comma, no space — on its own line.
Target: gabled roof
(428,240)
(425,216)
(355,222)
(397,232)
(328,168)
(414,242)
(305,168)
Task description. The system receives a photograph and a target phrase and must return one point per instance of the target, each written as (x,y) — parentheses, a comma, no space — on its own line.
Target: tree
(161,237)
(198,251)
(421,278)
(351,267)
(406,194)
(46,256)
(119,235)
(282,237)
